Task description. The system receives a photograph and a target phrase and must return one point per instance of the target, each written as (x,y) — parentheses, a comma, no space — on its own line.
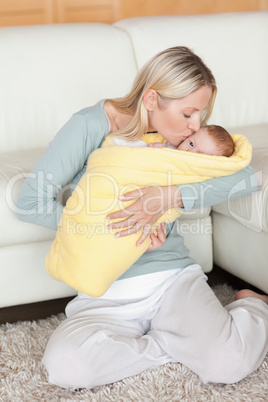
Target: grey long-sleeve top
(65,161)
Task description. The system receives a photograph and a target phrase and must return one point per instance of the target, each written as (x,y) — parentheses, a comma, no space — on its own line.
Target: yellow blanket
(85,254)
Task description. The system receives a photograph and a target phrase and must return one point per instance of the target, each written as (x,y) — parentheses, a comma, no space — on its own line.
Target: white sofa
(49,72)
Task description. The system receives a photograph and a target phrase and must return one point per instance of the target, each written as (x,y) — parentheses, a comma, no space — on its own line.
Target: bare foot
(242,294)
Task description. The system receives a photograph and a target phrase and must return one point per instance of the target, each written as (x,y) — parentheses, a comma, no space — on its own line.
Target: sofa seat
(251,211)
(242,223)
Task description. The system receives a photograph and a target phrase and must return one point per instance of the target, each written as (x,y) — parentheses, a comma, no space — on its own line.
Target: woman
(161,310)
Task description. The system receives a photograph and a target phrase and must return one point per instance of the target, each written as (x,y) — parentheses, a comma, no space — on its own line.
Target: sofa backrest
(49,72)
(235,48)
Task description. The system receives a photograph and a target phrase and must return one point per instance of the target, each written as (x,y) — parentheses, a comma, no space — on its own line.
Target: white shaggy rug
(24,379)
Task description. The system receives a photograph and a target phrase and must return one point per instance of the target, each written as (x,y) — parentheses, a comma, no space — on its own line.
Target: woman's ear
(150,99)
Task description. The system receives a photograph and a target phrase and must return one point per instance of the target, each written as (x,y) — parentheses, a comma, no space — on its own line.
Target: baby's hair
(222,138)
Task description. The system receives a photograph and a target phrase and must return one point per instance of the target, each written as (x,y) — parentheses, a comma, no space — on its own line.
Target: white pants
(103,341)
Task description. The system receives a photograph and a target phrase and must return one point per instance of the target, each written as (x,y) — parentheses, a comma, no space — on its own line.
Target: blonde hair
(173,73)
(222,138)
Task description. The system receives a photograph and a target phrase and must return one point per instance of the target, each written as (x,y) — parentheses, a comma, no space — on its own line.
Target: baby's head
(209,140)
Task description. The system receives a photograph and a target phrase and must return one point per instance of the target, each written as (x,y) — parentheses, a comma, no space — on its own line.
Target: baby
(209,140)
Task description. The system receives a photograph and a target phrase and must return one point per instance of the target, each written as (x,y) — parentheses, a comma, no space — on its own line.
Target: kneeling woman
(161,309)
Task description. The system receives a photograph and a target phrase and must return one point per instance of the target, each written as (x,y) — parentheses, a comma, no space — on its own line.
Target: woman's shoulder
(91,111)
(82,133)
(93,119)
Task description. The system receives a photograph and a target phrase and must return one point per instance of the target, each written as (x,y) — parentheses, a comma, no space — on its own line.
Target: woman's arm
(152,202)
(64,162)
(217,190)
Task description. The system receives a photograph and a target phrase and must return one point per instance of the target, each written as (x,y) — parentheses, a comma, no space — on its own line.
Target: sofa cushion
(54,71)
(225,51)
(251,211)
(14,168)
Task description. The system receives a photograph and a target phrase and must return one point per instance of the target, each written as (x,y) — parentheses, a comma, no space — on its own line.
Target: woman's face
(179,118)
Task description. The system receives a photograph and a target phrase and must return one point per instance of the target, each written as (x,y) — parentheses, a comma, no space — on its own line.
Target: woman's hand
(158,239)
(152,202)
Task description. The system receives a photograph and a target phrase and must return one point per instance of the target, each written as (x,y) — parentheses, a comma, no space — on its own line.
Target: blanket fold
(85,254)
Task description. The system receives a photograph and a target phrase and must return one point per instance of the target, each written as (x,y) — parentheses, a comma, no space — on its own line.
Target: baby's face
(199,142)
